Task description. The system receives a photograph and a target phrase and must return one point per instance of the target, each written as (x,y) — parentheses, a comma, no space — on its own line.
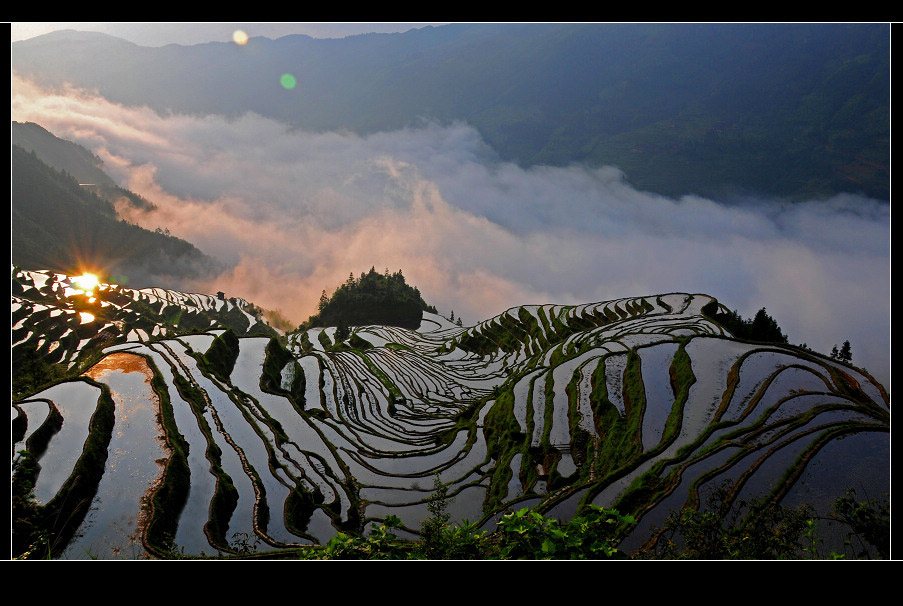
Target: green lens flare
(288,81)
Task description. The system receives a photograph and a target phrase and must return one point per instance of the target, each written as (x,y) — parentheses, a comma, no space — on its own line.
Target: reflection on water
(76,402)
(137,452)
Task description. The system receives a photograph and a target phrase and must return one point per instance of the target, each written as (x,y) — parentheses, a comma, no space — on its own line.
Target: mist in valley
(290,212)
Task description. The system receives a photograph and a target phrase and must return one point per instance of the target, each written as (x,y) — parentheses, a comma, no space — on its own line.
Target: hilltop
(371,299)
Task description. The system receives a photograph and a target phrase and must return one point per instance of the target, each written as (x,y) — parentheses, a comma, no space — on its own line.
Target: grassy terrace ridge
(543,405)
(170,497)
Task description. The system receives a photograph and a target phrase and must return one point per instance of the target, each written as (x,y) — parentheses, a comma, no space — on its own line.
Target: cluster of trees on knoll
(762,327)
(373,298)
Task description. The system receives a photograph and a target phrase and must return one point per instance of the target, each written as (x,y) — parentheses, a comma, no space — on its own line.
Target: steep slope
(62,155)
(639,403)
(59,326)
(62,225)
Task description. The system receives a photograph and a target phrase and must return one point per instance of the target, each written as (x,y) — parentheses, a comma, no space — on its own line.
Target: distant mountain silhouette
(791,110)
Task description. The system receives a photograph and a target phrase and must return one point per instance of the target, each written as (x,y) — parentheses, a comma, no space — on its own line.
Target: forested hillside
(59,225)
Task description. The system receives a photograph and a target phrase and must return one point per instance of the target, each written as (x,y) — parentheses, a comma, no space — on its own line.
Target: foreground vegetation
(754,530)
(770,532)
(765,532)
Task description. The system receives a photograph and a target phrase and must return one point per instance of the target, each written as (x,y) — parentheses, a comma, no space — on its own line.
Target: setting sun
(86,281)
(240,37)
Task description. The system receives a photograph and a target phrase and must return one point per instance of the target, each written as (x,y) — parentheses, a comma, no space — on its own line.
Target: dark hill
(60,154)
(59,225)
(72,158)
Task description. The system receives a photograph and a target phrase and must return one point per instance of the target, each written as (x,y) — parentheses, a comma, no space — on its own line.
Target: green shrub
(526,534)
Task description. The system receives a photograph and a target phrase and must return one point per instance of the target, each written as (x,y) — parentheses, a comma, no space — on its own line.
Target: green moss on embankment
(619,437)
(682,378)
(220,357)
(504,439)
(276,358)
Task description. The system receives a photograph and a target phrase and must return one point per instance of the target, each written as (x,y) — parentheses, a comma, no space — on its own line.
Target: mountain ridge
(769,109)
(65,225)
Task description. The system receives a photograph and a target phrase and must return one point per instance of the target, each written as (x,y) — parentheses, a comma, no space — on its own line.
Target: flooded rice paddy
(283,442)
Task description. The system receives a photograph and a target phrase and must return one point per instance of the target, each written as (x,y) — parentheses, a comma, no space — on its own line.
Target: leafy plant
(526,534)
(869,524)
(432,530)
(742,530)
(381,544)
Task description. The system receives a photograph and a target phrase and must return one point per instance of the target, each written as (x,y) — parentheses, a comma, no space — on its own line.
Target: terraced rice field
(270,441)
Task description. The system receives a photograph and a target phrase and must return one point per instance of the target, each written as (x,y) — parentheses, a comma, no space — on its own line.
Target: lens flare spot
(86,317)
(288,81)
(240,37)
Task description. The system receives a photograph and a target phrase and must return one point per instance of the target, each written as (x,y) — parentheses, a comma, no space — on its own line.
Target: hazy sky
(160,34)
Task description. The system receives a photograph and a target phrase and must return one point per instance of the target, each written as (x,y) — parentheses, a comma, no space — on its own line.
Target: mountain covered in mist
(166,423)
(795,110)
(63,217)
(64,156)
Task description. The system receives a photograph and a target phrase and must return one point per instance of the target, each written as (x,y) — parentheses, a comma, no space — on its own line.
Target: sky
(292,212)
(161,34)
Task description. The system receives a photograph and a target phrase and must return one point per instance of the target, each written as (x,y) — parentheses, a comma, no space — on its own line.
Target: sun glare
(239,37)
(86,282)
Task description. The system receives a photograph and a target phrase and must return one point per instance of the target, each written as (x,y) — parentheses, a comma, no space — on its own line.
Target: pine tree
(846,352)
(834,354)
(342,332)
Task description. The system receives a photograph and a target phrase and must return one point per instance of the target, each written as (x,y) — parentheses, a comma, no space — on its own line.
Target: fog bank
(293,212)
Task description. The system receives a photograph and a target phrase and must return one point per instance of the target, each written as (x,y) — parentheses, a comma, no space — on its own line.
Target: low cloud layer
(293,212)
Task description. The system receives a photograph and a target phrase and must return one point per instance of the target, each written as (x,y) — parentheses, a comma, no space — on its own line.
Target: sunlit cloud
(292,212)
